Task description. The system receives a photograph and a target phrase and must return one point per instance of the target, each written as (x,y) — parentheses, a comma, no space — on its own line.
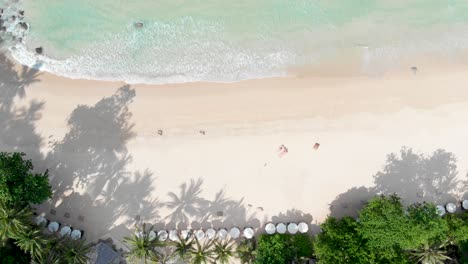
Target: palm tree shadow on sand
(190,210)
(17,123)
(93,188)
(415,177)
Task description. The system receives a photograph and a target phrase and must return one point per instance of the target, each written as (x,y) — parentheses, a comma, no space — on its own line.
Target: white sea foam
(187,51)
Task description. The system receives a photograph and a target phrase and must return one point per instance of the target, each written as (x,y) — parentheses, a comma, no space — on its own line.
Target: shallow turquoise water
(221,40)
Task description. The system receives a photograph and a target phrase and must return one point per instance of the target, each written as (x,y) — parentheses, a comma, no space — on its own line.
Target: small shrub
(274,249)
(11,254)
(302,243)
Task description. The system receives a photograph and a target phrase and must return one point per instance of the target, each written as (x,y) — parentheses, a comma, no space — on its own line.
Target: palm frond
(224,251)
(434,254)
(202,253)
(31,241)
(246,251)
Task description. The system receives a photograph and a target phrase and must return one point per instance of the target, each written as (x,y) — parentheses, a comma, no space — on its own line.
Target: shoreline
(279,98)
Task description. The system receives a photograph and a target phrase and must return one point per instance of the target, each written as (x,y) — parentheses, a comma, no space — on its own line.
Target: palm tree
(201,253)
(246,251)
(74,251)
(141,246)
(48,257)
(434,254)
(31,241)
(13,220)
(166,255)
(224,251)
(183,248)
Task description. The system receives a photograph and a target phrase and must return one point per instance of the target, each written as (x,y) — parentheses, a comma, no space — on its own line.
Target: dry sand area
(110,168)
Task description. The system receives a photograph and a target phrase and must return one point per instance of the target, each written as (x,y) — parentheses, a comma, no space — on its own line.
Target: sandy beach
(110,168)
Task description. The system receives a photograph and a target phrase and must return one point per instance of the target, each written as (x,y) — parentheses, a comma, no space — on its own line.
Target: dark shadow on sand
(17,129)
(93,157)
(413,176)
(93,189)
(189,209)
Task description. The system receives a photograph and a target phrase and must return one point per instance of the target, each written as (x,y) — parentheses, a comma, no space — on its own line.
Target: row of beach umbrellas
(54,227)
(451,208)
(223,233)
(200,234)
(291,228)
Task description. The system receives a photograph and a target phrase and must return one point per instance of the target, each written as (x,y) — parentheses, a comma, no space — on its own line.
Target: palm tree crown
(183,248)
(246,251)
(223,251)
(13,220)
(74,251)
(142,246)
(434,254)
(201,253)
(31,241)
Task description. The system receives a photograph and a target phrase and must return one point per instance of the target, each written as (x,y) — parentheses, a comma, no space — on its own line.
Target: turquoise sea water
(221,40)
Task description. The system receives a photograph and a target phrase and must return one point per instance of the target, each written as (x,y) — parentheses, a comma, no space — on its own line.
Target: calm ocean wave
(225,41)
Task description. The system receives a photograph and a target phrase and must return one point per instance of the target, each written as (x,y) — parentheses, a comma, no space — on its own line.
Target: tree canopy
(339,242)
(18,184)
(274,249)
(388,232)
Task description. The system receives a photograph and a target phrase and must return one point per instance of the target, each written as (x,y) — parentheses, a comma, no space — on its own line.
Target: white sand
(356,120)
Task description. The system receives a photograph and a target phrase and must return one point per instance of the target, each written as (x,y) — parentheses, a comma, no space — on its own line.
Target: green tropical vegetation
(283,248)
(388,232)
(384,231)
(246,251)
(183,248)
(12,254)
(202,253)
(21,240)
(142,247)
(224,251)
(430,254)
(18,184)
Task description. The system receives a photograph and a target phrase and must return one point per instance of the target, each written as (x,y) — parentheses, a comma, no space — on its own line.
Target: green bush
(283,248)
(463,247)
(457,227)
(11,254)
(274,249)
(17,182)
(339,242)
(302,244)
(387,232)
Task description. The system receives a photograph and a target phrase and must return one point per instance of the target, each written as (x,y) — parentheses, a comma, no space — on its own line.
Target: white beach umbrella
(248,232)
(465,204)
(222,233)
(451,207)
(185,234)
(40,220)
(234,233)
(281,228)
(440,210)
(151,235)
(303,227)
(173,235)
(210,233)
(199,234)
(75,234)
(65,231)
(53,226)
(292,228)
(162,234)
(270,228)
